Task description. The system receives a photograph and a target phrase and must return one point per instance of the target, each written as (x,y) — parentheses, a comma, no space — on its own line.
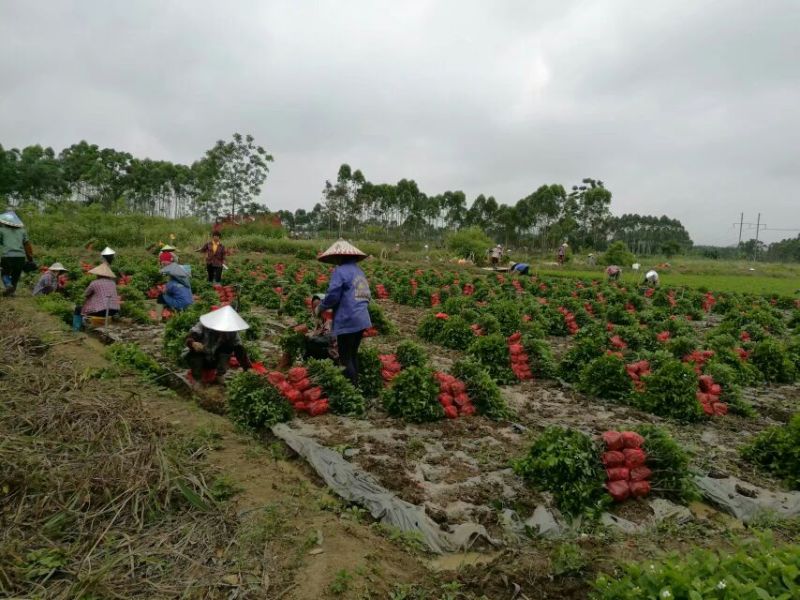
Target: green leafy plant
(481,388)
(671,391)
(540,356)
(176,330)
(670,465)
(756,569)
(254,404)
(777,450)
(770,357)
(565,462)
(343,397)
(370,382)
(605,377)
(582,353)
(132,357)
(617,254)
(492,352)
(413,396)
(379,320)
(410,354)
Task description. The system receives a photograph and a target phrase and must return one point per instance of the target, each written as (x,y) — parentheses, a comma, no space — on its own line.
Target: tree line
(225,182)
(353,206)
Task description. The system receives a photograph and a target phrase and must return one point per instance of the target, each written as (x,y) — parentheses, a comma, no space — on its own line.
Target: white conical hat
(339,249)
(11,219)
(167,248)
(56,266)
(107,251)
(103,270)
(225,319)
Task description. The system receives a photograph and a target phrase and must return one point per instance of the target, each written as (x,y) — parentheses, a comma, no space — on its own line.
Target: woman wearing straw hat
(167,255)
(348,296)
(107,255)
(100,297)
(178,291)
(211,342)
(50,281)
(15,249)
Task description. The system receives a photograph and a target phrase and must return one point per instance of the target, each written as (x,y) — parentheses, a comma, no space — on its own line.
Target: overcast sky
(689,108)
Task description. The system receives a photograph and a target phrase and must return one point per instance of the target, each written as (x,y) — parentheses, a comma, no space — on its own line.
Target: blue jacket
(177,296)
(520,267)
(348,295)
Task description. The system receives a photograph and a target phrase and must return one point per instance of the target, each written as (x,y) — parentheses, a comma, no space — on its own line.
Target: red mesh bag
(631,439)
(516,349)
(451,412)
(312,394)
(445,400)
(320,407)
(294,396)
(284,387)
(461,400)
(613,440)
(297,374)
(618,474)
(640,473)
(303,385)
(640,489)
(301,406)
(458,387)
(612,459)
(634,457)
(720,408)
(619,490)
(468,410)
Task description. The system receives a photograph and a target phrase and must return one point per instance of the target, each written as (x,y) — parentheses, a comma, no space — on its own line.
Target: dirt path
(326,547)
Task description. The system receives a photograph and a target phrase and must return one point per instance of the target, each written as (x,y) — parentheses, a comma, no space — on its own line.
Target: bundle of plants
(177,328)
(318,387)
(671,392)
(777,451)
(606,377)
(413,396)
(492,352)
(380,322)
(410,354)
(771,358)
(254,403)
(482,389)
(576,358)
(370,371)
(669,465)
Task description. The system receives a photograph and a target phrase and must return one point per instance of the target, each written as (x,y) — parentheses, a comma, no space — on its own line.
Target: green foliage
(456,333)
(491,351)
(132,357)
(57,305)
(565,462)
(469,243)
(176,330)
(681,346)
(254,404)
(481,388)
(756,569)
(410,354)
(430,328)
(540,356)
(671,391)
(617,254)
(343,397)
(605,377)
(777,450)
(293,344)
(669,463)
(583,352)
(728,378)
(380,321)
(370,382)
(413,396)
(770,357)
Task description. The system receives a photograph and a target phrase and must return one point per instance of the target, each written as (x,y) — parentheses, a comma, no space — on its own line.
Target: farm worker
(178,292)
(651,278)
(211,342)
(15,250)
(167,255)
(591,260)
(613,272)
(100,297)
(349,296)
(562,252)
(215,257)
(495,254)
(50,281)
(320,341)
(521,268)
(107,255)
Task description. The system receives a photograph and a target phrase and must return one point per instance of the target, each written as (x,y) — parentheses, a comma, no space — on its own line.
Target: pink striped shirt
(101,291)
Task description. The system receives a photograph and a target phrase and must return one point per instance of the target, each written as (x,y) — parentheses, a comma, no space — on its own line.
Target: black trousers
(198,361)
(348,344)
(12,267)
(214,274)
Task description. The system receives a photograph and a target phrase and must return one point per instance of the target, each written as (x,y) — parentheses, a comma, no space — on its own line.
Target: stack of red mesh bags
(300,391)
(453,396)
(624,460)
(390,367)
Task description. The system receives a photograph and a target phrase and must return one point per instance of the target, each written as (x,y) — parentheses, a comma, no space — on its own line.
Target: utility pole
(741,223)
(758,228)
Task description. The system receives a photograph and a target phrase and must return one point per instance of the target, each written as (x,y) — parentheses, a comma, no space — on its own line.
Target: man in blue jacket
(348,296)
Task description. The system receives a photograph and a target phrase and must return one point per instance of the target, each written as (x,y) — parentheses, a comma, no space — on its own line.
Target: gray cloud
(688,108)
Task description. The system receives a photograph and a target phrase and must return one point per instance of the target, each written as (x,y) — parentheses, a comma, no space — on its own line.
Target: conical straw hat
(225,319)
(11,219)
(341,249)
(56,266)
(167,248)
(107,251)
(103,270)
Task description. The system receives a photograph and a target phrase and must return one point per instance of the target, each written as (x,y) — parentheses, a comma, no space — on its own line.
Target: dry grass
(99,501)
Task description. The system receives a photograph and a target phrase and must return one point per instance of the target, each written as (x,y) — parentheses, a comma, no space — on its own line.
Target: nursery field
(543,436)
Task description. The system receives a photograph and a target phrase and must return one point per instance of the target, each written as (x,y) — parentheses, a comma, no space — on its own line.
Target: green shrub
(777,450)
(605,377)
(566,463)
(343,397)
(670,465)
(469,243)
(413,396)
(771,358)
(176,330)
(481,388)
(131,357)
(430,328)
(617,254)
(379,320)
(254,404)
(410,354)
(582,353)
(757,569)
(491,351)
(671,391)
(540,356)
(370,382)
